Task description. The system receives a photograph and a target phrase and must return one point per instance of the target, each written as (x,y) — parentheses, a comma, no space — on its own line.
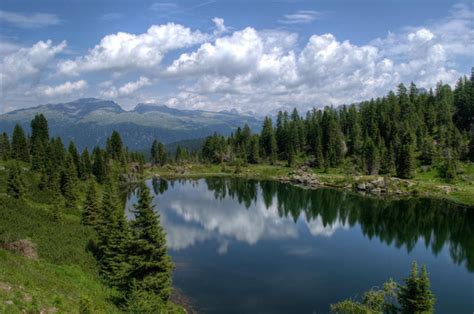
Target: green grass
(36,286)
(65,277)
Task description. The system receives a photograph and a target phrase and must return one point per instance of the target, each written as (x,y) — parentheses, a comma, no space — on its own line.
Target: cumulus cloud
(63,89)
(250,68)
(35,20)
(257,70)
(125,51)
(27,62)
(127,89)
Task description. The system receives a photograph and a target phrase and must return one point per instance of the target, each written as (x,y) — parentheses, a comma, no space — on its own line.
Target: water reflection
(249,211)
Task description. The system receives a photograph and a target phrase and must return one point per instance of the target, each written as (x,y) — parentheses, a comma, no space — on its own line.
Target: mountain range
(89,121)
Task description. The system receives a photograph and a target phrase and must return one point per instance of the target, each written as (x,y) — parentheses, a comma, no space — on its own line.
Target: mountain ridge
(89,121)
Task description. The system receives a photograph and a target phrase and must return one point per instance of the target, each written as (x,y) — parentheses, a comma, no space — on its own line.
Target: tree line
(391,135)
(131,255)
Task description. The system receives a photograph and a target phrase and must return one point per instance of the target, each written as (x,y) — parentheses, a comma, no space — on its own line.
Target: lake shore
(424,184)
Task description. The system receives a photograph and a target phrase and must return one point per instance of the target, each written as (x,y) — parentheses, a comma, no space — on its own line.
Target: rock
(9,302)
(5,287)
(361,187)
(379,182)
(376,191)
(22,247)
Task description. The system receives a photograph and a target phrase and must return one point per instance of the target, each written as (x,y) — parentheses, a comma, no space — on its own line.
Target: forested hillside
(65,244)
(392,135)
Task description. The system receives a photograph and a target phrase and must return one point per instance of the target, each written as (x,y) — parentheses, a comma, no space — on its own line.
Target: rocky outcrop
(377,186)
(304,177)
(22,247)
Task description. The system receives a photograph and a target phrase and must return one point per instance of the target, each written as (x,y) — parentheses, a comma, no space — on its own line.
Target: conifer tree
(72,150)
(39,141)
(254,151)
(268,141)
(68,182)
(4,147)
(471,146)
(150,265)
(19,147)
(39,129)
(416,296)
(86,164)
(99,167)
(114,235)
(115,146)
(406,157)
(91,208)
(370,157)
(16,182)
(154,153)
(38,155)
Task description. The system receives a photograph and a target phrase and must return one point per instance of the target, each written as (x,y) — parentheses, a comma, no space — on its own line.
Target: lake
(246,246)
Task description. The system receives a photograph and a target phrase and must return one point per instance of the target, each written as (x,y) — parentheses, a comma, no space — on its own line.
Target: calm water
(243,246)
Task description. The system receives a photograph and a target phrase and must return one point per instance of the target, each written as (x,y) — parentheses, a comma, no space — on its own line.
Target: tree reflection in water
(395,222)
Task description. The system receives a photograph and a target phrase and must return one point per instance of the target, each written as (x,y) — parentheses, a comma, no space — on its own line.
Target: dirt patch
(22,247)
(5,287)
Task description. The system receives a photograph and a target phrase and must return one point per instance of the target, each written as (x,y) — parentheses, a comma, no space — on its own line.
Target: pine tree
(39,129)
(16,182)
(39,141)
(471,146)
(416,296)
(406,157)
(387,163)
(115,147)
(426,299)
(155,159)
(38,158)
(114,236)
(370,157)
(86,164)
(150,265)
(75,158)
(68,182)
(254,151)
(19,148)
(91,208)
(268,140)
(4,147)
(99,167)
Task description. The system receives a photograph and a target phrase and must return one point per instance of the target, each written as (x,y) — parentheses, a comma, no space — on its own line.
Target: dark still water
(243,246)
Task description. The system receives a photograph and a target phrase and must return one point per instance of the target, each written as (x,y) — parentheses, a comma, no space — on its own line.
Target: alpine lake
(247,246)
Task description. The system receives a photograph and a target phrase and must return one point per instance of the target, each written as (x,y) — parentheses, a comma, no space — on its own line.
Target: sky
(251,56)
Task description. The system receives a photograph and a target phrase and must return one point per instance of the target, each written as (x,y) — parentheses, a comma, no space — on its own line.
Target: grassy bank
(426,183)
(62,275)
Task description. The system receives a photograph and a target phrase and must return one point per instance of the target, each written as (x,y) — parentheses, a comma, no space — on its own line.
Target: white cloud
(125,51)
(34,20)
(127,89)
(301,17)
(220,26)
(250,69)
(63,89)
(27,62)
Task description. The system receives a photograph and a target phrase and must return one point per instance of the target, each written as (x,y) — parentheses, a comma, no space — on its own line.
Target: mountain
(89,121)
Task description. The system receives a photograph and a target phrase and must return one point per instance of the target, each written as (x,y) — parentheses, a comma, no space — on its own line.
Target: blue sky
(255,56)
